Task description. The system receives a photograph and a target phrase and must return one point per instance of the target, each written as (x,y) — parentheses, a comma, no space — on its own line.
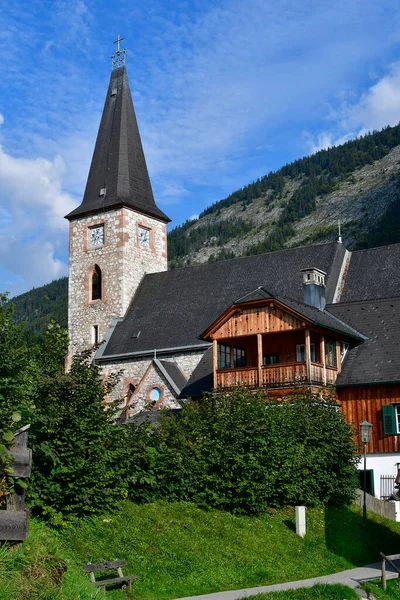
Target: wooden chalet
(263,341)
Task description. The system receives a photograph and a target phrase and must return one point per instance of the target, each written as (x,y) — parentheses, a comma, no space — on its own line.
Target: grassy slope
(179,550)
(318,592)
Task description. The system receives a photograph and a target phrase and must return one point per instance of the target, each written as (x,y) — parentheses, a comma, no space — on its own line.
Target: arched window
(96,283)
(130,392)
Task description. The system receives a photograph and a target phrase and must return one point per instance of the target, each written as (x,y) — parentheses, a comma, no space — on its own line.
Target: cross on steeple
(118,59)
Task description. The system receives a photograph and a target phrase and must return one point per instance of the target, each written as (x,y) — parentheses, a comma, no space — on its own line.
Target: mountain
(357,183)
(41,305)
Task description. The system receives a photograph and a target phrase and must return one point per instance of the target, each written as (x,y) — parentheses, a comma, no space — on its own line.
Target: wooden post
(308,355)
(215,362)
(259,358)
(338,357)
(384,574)
(322,355)
(15,519)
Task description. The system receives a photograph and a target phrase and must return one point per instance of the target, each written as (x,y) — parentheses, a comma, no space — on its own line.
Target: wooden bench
(115,565)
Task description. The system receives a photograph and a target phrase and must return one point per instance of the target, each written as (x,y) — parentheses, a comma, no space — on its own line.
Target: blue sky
(224,91)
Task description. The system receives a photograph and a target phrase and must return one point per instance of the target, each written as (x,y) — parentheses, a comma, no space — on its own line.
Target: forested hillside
(41,305)
(301,204)
(357,183)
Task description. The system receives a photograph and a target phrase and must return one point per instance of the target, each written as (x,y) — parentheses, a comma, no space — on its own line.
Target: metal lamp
(365,434)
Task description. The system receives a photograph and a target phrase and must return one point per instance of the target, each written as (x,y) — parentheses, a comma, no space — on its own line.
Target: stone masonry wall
(123,263)
(137,372)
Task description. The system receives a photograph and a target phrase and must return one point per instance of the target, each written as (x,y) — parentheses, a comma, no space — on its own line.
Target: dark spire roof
(118,163)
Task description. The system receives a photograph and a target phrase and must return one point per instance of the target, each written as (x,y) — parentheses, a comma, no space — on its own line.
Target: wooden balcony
(283,375)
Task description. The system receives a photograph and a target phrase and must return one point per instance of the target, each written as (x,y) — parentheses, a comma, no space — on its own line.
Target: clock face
(96,236)
(144,237)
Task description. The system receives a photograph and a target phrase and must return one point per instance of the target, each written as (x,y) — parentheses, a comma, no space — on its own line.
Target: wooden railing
(276,376)
(390,558)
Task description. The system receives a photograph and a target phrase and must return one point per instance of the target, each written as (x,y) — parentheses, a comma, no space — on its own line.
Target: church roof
(172,308)
(376,359)
(118,165)
(373,273)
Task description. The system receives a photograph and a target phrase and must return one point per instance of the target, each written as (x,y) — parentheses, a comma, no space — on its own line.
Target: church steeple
(118,234)
(118,175)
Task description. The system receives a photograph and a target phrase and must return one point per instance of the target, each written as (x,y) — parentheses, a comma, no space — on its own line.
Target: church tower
(117,234)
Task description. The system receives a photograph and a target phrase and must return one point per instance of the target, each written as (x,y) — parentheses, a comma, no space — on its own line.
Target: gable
(262,319)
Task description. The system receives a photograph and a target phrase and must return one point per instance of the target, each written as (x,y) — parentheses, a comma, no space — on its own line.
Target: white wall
(382,464)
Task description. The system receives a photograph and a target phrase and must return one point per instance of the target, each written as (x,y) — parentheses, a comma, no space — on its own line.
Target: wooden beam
(338,357)
(322,354)
(215,362)
(308,354)
(259,358)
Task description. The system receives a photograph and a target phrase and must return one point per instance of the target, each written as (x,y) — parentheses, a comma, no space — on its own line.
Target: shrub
(17,390)
(76,445)
(238,451)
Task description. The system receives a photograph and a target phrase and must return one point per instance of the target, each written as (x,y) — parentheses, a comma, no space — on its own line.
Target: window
(224,356)
(344,346)
(96,283)
(95,334)
(369,481)
(330,353)
(301,352)
(130,392)
(270,359)
(239,357)
(155,394)
(391,419)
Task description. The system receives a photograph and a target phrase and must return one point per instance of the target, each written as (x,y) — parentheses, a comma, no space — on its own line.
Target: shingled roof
(373,273)
(172,308)
(118,164)
(377,359)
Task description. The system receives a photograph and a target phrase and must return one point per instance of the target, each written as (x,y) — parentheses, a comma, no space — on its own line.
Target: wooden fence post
(14,520)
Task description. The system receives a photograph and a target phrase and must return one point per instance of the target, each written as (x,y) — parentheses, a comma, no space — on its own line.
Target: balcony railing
(277,376)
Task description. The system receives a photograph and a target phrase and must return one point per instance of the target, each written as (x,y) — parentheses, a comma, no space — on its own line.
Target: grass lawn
(180,550)
(375,588)
(317,592)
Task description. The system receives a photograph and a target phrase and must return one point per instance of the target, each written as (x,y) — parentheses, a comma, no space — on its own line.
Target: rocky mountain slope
(357,184)
(302,208)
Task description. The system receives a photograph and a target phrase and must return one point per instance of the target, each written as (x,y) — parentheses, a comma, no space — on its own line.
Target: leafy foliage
(17,389)
(241,453)
(76,445)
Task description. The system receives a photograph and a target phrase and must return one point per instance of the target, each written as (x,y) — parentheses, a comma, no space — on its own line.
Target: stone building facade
(121,260)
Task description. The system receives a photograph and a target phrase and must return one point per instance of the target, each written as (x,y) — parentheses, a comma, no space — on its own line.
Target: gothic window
(96,283)
(129,393)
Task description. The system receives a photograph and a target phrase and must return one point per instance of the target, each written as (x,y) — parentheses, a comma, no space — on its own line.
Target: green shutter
(389,419)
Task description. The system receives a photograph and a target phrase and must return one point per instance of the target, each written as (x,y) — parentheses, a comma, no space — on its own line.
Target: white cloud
(378,106)
(327,140)
(375,108)
(32,228)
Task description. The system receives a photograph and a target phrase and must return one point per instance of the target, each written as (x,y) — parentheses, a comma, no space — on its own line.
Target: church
(301,318)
